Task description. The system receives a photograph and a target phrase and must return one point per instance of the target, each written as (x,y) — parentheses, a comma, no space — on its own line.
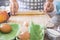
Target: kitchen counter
(41,19)
(37,18)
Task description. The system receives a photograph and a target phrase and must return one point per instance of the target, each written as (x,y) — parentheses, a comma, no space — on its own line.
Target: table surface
(40,19)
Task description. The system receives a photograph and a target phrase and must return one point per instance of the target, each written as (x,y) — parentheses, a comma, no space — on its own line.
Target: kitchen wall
(31,4)
(40,7)
(4,2)
(4,5)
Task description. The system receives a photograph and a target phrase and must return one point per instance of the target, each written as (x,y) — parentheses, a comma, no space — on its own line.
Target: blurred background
(31,4)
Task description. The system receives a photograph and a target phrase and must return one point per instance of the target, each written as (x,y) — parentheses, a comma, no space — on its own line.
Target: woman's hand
(13,7)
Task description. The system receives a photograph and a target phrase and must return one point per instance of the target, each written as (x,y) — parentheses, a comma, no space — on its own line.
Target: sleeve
(45,6)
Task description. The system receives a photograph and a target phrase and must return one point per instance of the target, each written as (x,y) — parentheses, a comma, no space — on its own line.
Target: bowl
(13,34)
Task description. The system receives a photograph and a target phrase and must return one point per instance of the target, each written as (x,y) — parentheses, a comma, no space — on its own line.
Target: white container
(53,35)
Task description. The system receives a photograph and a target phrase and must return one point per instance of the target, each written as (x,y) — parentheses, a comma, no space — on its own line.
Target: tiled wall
(4,2)
(31,4)
(26,4)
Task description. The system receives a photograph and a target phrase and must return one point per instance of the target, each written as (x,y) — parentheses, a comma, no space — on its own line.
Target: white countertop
(41,19)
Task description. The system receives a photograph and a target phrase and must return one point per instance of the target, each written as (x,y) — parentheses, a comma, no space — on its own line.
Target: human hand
(14,7)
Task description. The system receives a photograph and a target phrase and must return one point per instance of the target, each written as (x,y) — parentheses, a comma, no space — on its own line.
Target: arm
(13,1)
(13,7)
(45,6)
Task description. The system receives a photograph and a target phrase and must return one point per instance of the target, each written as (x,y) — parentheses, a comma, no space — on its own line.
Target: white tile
(35,4)
(31,7)
(41,6)
(35,7)
(38,0)
(35,0)
(27,3)
(24,3)
(31,4)
(38,3)
(28,0)
(38,6)
(27,7)
(41,3)
(31,0)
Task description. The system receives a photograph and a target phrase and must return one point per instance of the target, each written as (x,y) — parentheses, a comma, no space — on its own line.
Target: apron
(31,4)
(55,20)
(56,17)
